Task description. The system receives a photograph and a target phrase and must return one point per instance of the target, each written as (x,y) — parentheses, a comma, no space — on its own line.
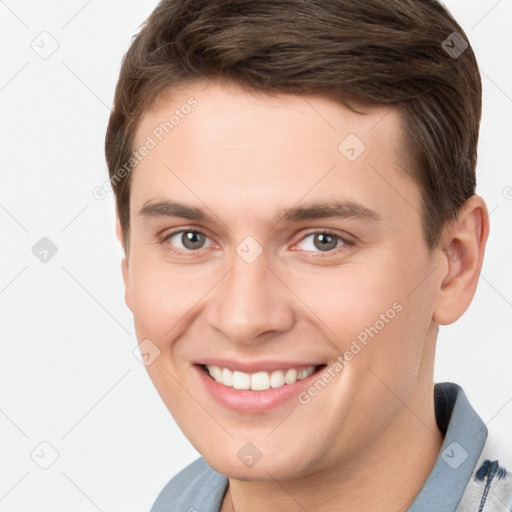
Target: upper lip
(256,366)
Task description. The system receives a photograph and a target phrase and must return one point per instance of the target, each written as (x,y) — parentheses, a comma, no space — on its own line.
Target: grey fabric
(463,443)
(198,488)
(462,470)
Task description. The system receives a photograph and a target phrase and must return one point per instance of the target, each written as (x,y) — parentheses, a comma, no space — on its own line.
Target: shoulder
(197,487)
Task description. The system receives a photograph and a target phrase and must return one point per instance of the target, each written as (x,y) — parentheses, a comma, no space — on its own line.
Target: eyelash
(345,242)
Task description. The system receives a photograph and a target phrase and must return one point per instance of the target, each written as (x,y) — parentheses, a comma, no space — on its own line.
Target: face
(279,273)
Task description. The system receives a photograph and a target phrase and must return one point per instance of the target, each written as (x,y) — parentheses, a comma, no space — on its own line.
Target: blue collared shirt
(465,478)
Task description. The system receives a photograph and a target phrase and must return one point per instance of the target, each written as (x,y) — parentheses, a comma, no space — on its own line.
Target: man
(295,187)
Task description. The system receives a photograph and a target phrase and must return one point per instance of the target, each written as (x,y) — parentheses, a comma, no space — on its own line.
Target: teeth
(216,373)
(241,380)
(277,379)
(260,381)
(291,376)
(227,377)
(302,373)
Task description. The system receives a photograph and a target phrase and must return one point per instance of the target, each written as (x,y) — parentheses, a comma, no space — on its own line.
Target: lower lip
(254,402)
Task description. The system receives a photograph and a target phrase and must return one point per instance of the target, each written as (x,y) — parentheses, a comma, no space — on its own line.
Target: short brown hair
(409,54)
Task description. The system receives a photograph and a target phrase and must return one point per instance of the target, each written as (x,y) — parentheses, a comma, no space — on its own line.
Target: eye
(322,241)
(188,240)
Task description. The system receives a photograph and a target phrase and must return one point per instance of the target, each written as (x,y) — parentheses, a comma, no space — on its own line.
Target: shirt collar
(465,436)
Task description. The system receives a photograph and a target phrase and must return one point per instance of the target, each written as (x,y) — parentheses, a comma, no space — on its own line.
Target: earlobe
(464,247)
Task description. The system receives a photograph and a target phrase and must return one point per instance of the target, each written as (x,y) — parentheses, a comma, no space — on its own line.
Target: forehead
(252,150)
(225,109)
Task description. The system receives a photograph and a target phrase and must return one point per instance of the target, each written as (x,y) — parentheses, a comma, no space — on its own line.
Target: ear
(124,262)
(463,247)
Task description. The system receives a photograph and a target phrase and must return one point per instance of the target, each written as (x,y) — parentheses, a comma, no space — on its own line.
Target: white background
(67,372)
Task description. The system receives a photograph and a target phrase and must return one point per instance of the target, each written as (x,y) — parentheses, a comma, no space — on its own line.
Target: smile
(255,387)
(259,381)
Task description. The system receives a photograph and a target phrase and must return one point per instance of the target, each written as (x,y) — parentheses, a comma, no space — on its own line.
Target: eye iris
(325,242)
(192,239)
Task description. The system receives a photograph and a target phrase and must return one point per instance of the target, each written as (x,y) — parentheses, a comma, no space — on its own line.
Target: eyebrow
(173,209)
(345,209)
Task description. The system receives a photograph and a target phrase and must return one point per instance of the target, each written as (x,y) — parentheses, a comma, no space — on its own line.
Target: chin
(268,467)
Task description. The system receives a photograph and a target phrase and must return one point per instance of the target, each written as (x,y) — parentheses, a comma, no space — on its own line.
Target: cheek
(369,313)
(162,298)
(348,300)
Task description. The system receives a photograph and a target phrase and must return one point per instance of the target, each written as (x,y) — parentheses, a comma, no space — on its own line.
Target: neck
(386,476)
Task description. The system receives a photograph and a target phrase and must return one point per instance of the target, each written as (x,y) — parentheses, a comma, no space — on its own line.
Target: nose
(249,303)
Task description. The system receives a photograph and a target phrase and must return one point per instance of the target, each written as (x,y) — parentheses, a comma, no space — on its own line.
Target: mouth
(261,380)
(256,390)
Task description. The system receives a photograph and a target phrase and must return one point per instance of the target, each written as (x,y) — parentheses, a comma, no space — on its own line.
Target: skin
(369,439)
